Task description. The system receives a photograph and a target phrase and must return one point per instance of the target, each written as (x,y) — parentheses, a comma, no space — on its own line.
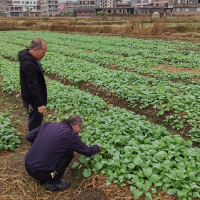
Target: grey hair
(37,43)
(75,120)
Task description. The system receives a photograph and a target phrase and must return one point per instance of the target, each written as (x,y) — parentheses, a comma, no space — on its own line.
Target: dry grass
(130,26)
(9,25)
(29,23)
(18,185)
(15,183)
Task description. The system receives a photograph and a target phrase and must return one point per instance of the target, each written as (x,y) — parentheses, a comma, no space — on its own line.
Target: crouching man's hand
(99,147)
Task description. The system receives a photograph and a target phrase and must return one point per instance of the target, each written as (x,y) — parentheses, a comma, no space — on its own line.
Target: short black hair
(37,43)
(75,120)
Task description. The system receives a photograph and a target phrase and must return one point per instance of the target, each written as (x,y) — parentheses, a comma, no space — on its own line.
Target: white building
(20,8)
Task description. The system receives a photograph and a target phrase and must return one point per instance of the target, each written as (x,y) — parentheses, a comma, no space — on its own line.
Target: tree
(66,14)
(74,13)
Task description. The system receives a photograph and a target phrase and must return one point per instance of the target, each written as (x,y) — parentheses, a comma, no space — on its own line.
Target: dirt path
(178,70)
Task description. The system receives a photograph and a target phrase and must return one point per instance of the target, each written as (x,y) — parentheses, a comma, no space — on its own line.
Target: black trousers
(45,176)
(34,118)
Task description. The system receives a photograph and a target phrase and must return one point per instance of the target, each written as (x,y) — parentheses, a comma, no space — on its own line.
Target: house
(85,12)
(68,7)
(160,6)
(186,7)
(20,8)
(144,8)
(86,8)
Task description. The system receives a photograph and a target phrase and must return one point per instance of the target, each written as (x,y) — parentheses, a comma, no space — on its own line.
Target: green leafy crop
(9,137)
(134,151)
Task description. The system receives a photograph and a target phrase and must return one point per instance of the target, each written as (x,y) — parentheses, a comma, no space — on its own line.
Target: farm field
(139,100)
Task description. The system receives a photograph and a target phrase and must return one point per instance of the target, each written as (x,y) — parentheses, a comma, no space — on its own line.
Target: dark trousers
(34,118)
(45,176)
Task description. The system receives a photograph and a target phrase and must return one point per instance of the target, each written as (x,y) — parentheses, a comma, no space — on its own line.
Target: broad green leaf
(172,191)
(181,194)
(172,176)
(135,178)
(166,164)
(153,190)
(137,160)
(178,184)
(147,172)
(75,165)
(160,155)
(154,178)
(147,185)
(98,166)
(87,173)
(113,176)
(108,183)
(196,194)
(137,193)
(131,165)
(128,149)
(139,185)
(148,196)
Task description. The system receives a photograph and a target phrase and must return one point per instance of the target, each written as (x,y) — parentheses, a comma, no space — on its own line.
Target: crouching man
(53,145)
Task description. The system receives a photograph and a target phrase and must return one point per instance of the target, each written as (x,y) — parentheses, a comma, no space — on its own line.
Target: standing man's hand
(41,109)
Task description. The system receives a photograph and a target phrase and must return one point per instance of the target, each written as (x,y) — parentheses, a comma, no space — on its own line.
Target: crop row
(180,100)
(142,52)
(133,150)
(9,136)
(136,63)
(15,48)
(103,59)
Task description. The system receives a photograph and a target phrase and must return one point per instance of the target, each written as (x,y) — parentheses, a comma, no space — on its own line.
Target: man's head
(76,123)
(38,48)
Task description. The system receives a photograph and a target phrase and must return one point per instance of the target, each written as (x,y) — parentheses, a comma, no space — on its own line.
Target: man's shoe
(57,186)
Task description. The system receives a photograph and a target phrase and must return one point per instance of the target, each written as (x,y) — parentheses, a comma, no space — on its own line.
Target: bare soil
(163,67)
(178,70)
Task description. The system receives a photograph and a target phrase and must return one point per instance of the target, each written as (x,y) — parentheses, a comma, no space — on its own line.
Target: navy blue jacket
(51,141)
(33,86)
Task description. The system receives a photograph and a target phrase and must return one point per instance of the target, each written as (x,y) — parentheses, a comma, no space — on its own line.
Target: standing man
(53,146)
(33,86)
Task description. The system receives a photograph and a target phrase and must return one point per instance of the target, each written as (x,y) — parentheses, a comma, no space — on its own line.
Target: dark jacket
(51,141)
(33,87)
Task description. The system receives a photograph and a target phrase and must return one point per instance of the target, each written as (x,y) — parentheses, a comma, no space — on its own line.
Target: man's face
(77,128)
(40,53)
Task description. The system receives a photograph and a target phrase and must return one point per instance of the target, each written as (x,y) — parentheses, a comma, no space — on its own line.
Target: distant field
(171,27)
